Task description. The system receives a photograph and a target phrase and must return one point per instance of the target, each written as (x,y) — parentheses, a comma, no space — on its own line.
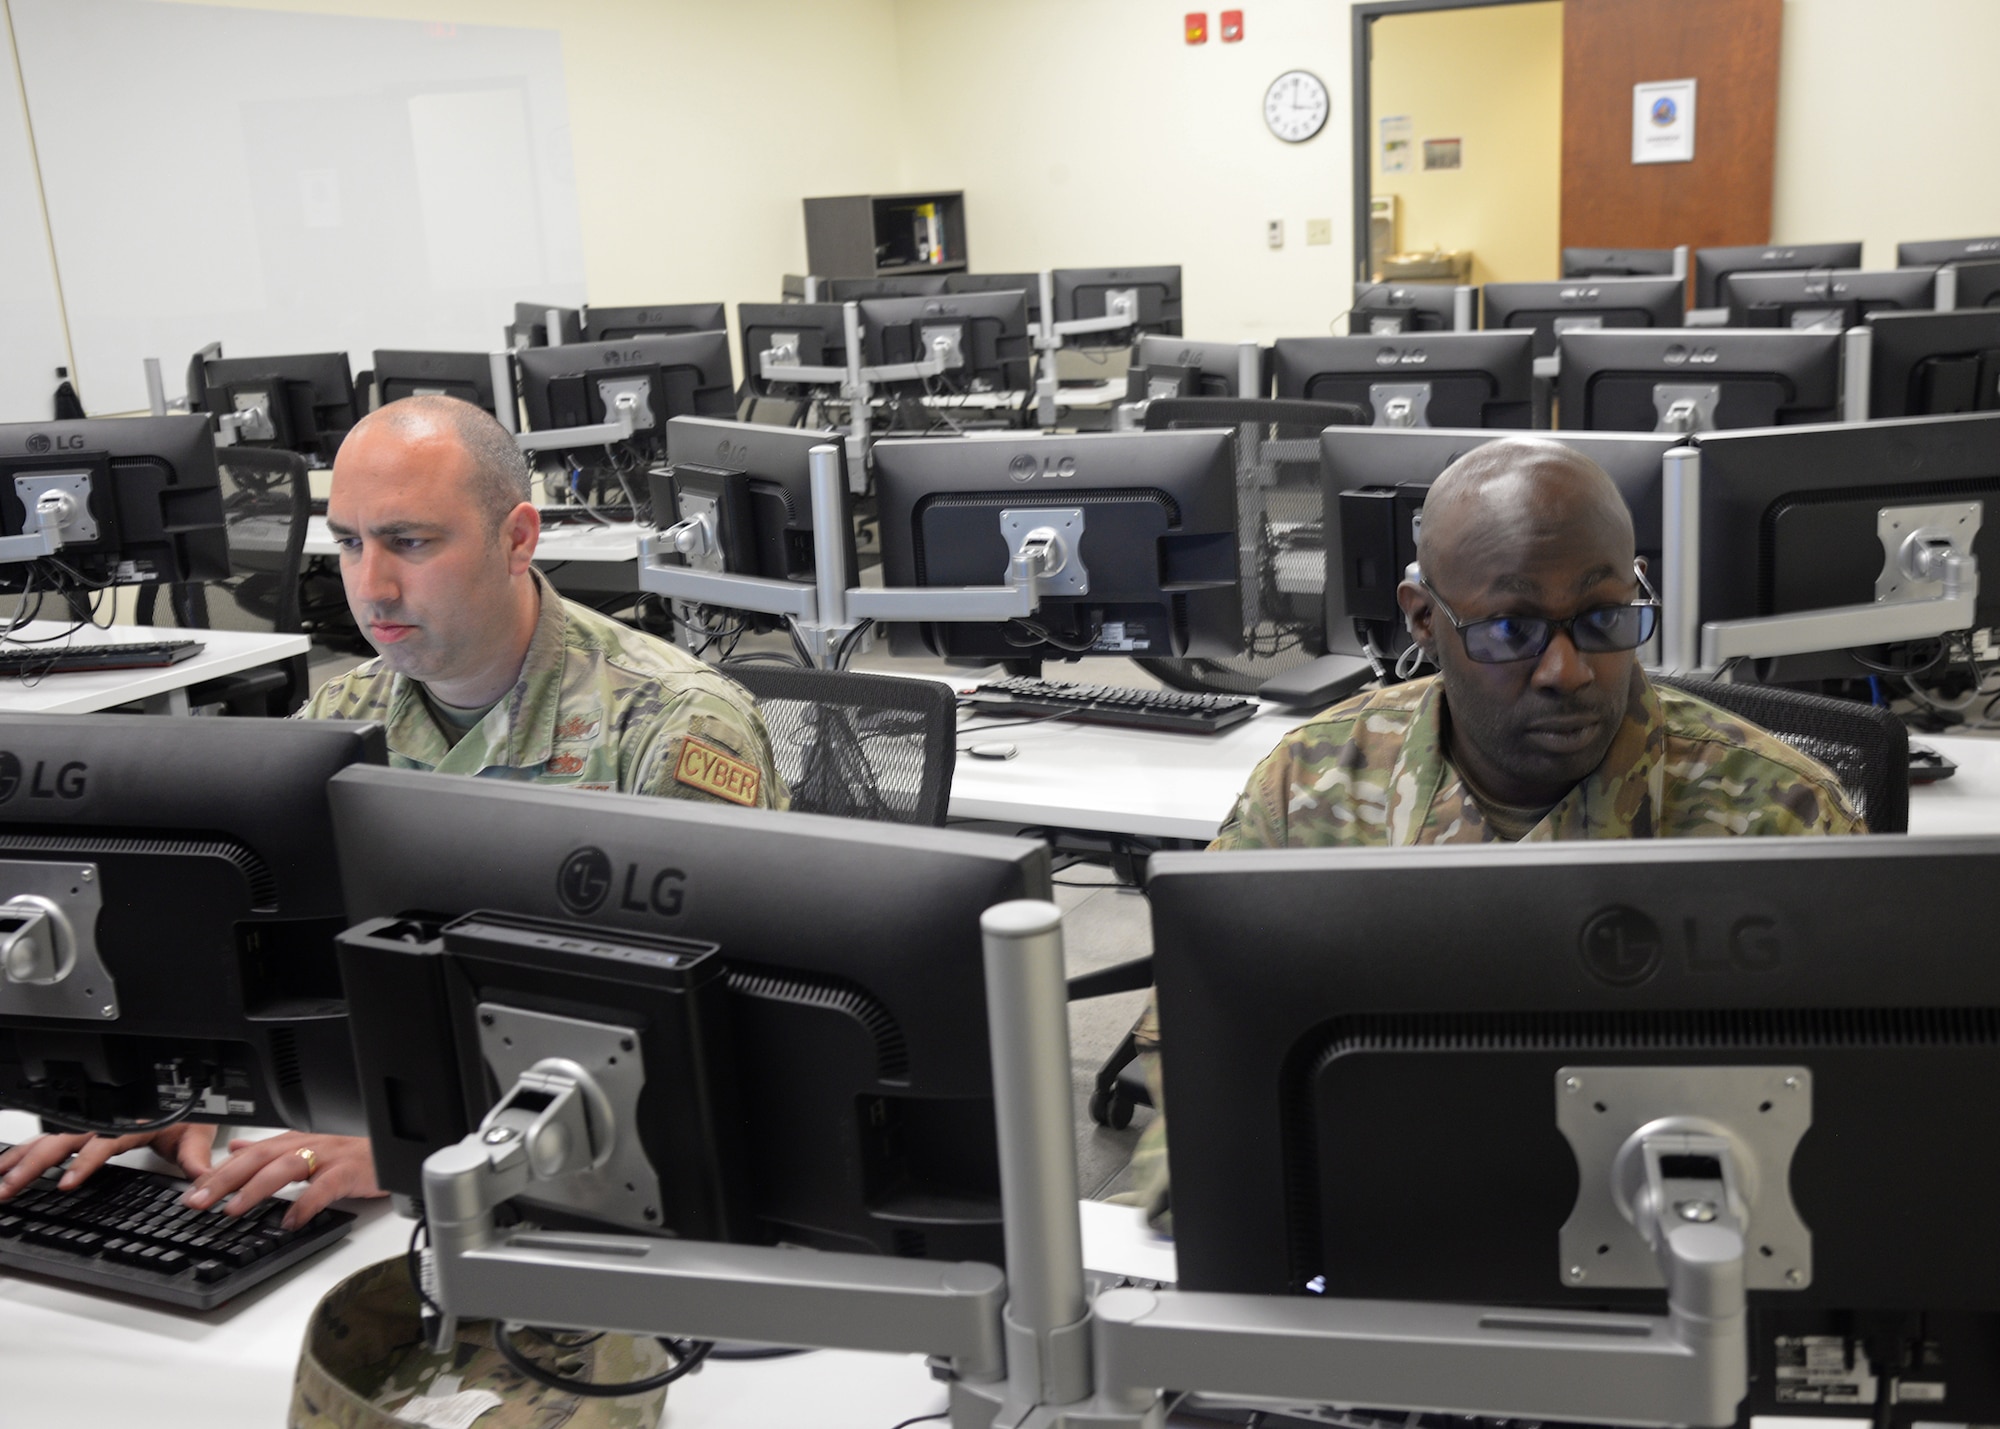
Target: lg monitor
(467,376)
(146,503)
(583,384)
(906,285)
(1028,283)
(1705,379)
(1978,286)
(1951,251)
(530,327)
(1152,569)
(801,1000)
(796,335)
(1456,379)
(1713,267)
(1151,297)
(1172,367)
(1792,520)
(1386,308)
(1930,364)
(171,897)
(300,403)
(1552,310)
(1617,262)
(1457,1074)
(658,320)
(1828,300)
(1375,481)
(982,339)
(755,483)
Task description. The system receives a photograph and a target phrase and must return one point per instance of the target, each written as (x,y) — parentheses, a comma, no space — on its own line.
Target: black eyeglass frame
(1647,629)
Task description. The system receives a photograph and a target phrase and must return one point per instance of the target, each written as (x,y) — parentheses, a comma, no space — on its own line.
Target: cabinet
(881,235)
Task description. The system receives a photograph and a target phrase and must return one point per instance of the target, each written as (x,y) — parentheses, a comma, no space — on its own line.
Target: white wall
(31,329)
(1887,114)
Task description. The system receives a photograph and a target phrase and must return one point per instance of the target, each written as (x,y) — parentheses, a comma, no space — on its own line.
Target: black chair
(1281,534)
(1866,747)
(856,745)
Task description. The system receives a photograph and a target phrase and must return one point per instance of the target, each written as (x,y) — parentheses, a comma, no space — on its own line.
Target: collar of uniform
(1420,767)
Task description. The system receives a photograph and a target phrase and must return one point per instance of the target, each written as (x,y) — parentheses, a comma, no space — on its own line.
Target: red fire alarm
(1197,27)
(1232,26)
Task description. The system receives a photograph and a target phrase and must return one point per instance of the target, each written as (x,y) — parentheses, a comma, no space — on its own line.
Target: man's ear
(520,532)
(1419,614)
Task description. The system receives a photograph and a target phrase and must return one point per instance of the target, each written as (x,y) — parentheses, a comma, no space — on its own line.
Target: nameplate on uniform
(704,767)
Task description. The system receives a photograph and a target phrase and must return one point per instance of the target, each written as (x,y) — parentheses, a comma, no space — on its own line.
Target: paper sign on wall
(1397,132)
(1663,122)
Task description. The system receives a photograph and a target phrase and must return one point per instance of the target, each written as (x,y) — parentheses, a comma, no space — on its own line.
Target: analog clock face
(1295,106)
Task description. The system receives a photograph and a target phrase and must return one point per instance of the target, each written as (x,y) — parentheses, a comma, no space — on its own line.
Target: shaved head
(498,472)
(1524,530)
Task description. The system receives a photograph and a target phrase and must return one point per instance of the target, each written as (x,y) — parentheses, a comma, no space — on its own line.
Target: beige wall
(1491,77)
(1887,114)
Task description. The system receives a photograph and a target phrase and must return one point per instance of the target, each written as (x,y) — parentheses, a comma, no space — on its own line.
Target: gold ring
(312,1161)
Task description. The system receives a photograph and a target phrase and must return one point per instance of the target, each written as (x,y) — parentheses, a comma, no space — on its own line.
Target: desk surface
(226,652)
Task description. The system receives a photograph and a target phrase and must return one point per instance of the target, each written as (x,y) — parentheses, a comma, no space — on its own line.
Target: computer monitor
(1790,520)
(1713,266)
(755,479)
(906,285)
(1375,482)
(149,495)
(1028,283)
(1151,295)
(799,334)
(846,1101)
(1828,300)
(1554,309)
(1388,308)
(658,320)
(1978,285)
(530,327)
(172,898)
(580,384)
(983,336)
(1927,364)
(1452,379)
(1617,262)
(467,376)
(1947,251)
(1409,1073)
(1153,569)
(1171,367)
(1701,380)
(303,402)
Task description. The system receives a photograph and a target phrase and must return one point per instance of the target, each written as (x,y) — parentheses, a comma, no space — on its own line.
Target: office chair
(1281,534)
(269,488)
(858,746)
(1865,746)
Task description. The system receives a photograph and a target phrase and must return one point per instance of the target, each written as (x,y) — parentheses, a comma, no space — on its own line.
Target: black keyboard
(1025,698)
(126,1230)
(34,661)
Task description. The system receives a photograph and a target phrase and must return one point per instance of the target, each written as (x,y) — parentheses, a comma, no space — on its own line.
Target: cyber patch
(703,767)
(566,763)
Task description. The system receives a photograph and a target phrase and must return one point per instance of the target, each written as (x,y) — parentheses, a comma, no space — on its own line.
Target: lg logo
(67,782)
(1027,467)
(587,877)
(1396,357)
(1680,355)
(633,356)
(726,450)
(1622,947)
(1580,295)
(38,442)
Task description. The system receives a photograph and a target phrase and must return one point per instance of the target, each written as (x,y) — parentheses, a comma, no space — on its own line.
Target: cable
(844,651)
(688,1355)
(761,1352)
(922,1419)
(196,1090)
(415,1266)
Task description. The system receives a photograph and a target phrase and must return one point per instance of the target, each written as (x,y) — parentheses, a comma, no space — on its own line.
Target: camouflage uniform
(1372,772)
(365,1362)
(598,705)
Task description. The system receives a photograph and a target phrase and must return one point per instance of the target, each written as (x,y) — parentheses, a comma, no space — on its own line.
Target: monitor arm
(623,423)
(58,514)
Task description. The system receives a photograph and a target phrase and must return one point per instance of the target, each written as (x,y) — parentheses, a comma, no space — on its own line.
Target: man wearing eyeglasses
(1539,723)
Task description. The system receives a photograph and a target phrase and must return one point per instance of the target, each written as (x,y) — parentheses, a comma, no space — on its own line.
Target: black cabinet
(879,235)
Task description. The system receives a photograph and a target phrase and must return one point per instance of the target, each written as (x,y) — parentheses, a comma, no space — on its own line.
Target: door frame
(1362,50)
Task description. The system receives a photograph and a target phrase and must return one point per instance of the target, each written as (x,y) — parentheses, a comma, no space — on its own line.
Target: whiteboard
(31,334)
(286,182)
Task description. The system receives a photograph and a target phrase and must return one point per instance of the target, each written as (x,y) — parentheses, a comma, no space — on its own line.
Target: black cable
(196,1091)
(761,1352)
(415,1266)
(844,651)
(1009,723)
(688,1355)
(922,1419)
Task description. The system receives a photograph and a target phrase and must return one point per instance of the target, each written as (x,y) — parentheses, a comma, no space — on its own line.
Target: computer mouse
(992,751)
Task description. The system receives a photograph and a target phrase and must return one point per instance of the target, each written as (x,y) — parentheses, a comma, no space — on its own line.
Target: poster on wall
(1663,122)
(1443,153)
(1397,132)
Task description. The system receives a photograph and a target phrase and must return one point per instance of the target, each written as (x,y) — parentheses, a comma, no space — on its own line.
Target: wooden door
(1721,197)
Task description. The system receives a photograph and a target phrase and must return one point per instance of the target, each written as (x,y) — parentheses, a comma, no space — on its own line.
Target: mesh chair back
(1280,524)
(1866,747)
(266,503)
(859,746)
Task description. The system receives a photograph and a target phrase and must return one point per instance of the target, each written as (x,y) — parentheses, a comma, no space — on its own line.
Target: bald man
(1539,724)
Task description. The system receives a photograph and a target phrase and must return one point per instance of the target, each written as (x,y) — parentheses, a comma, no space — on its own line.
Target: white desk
(163,689)
(617,542)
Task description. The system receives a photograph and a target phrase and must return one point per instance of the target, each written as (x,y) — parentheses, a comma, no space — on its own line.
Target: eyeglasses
(1507,638)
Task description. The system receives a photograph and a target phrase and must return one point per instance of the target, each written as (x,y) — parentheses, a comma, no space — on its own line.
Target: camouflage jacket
(1373,771)
(598,705)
